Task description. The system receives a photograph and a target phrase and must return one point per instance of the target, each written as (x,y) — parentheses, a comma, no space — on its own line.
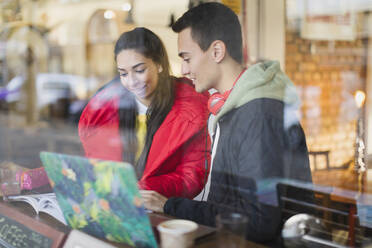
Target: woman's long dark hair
(149,45)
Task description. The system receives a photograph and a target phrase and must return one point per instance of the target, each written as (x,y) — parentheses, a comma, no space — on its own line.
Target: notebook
(100,198)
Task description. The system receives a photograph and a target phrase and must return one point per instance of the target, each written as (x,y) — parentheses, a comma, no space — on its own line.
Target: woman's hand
(153,200)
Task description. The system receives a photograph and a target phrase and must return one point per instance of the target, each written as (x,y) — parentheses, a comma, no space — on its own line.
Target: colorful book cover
(100,198)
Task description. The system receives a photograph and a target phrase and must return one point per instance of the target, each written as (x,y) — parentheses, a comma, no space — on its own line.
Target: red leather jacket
(176,161)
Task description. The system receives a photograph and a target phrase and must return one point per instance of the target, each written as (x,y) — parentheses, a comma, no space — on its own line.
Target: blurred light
(359,97)
(109,14)
(126,7)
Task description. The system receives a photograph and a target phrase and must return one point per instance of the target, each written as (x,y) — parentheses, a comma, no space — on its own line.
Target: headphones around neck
(216,101)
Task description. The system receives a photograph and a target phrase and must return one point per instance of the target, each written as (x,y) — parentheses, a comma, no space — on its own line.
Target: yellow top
(141,134)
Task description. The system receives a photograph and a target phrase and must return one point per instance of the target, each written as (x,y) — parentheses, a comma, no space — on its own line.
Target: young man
(257,137)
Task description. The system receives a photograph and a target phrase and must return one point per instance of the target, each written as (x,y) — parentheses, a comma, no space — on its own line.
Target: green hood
(261,80)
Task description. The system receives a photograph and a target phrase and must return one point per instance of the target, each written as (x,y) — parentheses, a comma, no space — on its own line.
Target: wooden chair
(315,154)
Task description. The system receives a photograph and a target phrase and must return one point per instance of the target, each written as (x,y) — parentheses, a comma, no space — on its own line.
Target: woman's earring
(160,69)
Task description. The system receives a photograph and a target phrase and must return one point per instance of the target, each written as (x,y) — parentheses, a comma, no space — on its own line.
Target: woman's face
(138,74)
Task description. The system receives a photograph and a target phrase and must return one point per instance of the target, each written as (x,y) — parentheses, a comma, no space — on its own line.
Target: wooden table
(211,240)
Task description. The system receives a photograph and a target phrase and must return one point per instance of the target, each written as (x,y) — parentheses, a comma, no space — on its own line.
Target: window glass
(57,59)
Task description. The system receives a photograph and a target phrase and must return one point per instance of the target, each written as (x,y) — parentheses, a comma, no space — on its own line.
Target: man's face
(197,64)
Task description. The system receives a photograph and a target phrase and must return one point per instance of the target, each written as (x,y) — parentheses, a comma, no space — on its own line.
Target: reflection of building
(315,65)
(327,57)
(85,31)
(85,35)
(18,38)
(76,38)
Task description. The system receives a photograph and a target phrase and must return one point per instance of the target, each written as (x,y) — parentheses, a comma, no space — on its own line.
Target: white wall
(266,30)
(272,30)
(252,19)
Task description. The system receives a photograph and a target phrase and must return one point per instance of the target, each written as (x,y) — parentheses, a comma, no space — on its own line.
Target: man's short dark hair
(213,21)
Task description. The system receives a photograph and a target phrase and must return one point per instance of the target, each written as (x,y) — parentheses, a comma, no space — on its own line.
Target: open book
(46,203)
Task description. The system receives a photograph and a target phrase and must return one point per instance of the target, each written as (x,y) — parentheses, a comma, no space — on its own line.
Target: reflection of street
(56,95)
(22,145)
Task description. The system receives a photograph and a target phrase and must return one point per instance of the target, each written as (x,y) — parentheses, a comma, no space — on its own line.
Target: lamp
(360,164)
(359,97)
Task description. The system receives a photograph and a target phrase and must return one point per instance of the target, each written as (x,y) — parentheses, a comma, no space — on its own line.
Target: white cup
(177,233)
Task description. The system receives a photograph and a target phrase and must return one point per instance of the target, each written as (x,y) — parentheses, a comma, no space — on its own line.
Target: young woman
(149,118)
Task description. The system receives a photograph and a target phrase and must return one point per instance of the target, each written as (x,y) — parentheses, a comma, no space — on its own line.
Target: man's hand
(153,200)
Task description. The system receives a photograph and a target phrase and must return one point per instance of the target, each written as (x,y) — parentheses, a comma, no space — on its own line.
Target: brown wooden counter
(210,240)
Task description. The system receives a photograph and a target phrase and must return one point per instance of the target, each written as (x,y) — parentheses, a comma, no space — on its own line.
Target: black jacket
(254,145)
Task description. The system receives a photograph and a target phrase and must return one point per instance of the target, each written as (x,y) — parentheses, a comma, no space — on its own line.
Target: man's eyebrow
(134,67)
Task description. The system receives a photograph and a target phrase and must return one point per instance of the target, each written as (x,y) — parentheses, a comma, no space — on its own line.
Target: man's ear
(218,50)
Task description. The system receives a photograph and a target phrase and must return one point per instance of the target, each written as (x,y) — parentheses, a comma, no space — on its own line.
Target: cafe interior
(55,55)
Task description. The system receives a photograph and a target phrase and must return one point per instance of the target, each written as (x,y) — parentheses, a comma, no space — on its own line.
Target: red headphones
(217,100)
